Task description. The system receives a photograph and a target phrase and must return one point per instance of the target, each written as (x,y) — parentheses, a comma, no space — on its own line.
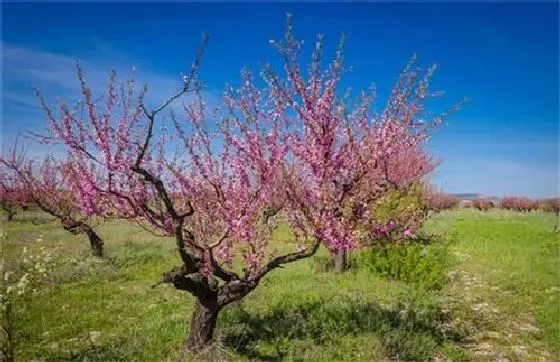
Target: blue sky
(504,57)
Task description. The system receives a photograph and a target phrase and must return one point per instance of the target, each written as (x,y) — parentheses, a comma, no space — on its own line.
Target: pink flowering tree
(216,179)
(214,189)
(550,205)
(43,184)
(12,196)
(482,204)
(517,203)
(438,201)
(345,155)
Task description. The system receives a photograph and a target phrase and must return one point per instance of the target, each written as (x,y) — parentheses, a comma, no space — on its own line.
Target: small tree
(12,196)
(293,146)
(550,205)
(42,184)
(523,204)
(438,201)
(347,156)
(482,204)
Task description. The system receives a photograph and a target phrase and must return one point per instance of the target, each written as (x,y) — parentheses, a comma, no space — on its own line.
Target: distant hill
(471,196)
(466,196)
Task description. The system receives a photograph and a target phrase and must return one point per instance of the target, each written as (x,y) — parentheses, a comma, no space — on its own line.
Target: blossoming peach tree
(9,193)
(517,203)
(214,179)
(438,201)
(13,196)
(43,183)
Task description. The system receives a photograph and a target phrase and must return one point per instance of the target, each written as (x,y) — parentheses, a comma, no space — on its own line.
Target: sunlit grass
(106,310)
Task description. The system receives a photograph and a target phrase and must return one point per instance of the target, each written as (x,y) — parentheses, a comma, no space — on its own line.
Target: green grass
(517,255)
(297,313)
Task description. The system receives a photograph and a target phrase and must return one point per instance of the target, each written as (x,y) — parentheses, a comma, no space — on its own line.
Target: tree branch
(288,258)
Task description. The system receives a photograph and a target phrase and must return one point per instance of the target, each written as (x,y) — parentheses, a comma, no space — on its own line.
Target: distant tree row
(517,203)
(438,201)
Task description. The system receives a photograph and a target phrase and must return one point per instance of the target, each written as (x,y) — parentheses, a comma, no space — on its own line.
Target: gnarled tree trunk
(95,241)
(77,227)
(211,298)
(211,295)
(203,324)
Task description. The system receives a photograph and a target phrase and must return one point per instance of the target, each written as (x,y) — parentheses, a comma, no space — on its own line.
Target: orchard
(297,145)
(290,147)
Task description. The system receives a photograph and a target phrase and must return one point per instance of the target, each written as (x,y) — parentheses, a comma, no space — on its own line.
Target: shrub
(400,202)
(19,281)
(422,264)
(405,208)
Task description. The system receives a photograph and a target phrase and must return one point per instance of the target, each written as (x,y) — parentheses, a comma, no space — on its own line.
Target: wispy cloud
(54,74)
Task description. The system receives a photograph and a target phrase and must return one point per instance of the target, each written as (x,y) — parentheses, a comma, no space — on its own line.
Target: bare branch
(288,258)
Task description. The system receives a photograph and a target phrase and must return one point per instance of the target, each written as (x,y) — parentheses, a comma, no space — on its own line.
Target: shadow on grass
(406,332)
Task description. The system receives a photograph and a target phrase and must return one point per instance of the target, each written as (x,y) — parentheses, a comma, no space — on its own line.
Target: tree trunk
(203,323)
(96,242)
(340,261)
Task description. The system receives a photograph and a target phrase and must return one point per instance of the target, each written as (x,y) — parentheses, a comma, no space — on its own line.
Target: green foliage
(21,279)
(400,203)
(520,255)
(417,263)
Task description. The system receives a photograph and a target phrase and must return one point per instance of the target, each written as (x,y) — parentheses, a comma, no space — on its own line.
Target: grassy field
(498,299)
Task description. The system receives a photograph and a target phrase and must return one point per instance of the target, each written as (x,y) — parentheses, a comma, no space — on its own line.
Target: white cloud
(55,75)
(44,68)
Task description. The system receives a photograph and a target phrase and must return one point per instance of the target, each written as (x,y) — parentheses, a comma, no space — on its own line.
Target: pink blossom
(295,145)
(409,234)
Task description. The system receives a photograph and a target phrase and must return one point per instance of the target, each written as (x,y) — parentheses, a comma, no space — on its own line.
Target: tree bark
(203,323)
(95,241)
(340,260)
